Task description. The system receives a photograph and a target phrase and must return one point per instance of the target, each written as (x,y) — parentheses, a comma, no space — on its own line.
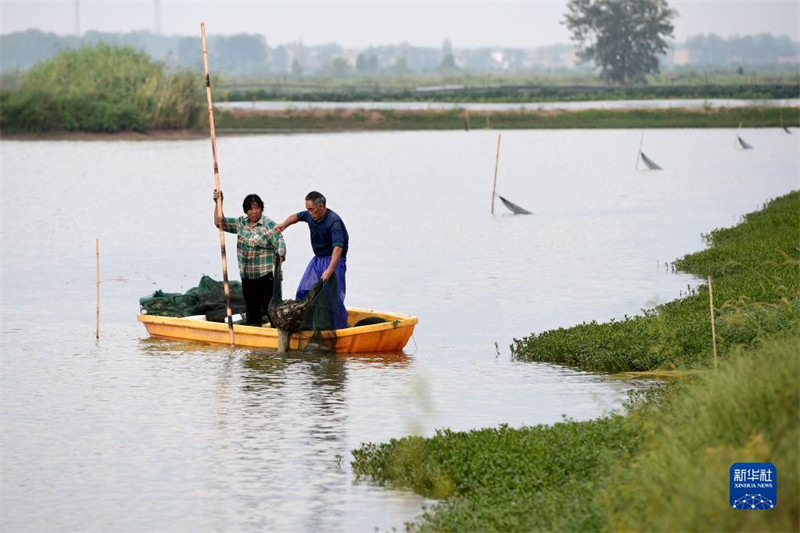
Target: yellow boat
(389,336)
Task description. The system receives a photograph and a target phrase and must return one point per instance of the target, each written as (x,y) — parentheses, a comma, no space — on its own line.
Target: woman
(257,243)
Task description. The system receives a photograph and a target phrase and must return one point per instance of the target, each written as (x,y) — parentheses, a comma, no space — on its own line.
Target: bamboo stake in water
(225,285)
(736,140)
(97,253)
(496,162)
(713,328)
(639,153)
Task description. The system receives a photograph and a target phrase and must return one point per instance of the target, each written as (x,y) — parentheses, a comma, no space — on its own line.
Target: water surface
(127,433)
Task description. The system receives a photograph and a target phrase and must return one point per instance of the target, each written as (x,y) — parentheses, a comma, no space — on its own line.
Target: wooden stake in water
(639,153)
(713,328)
(225,285)
(736,140)
(97,254)
(496,162)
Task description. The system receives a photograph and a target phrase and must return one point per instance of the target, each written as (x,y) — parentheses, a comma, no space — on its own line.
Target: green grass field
(306,120)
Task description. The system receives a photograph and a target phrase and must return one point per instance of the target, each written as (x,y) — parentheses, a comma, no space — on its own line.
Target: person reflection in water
(257,242)
(330,241)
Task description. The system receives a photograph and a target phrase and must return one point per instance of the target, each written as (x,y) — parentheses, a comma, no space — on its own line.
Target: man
(329,240)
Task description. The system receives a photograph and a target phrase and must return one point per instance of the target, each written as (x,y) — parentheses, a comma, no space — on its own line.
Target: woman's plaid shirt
(256,246)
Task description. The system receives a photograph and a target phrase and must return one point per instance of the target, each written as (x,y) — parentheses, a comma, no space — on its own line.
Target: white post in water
(496,162)
(97,253)
(713,328)
(639,153)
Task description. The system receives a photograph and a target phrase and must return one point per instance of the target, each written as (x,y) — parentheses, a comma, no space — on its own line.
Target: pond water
(128,433)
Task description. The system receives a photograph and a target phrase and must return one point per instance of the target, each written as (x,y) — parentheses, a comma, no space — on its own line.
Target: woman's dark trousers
(257,294)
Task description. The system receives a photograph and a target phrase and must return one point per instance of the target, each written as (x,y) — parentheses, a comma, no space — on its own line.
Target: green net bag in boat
(208,299)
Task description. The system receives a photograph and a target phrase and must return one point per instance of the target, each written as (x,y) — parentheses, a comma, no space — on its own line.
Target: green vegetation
(106,88)
(382,120)
(664,465)
(676,479)
(625,39)
(101,89)
(531,479)
(755,268)
(471,88)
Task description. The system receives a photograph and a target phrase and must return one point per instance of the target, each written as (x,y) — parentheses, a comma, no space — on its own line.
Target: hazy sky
(360,24)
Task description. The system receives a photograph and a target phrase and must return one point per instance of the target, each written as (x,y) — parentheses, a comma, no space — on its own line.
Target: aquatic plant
(672,450)
(664,466)
(755,268)
(502,479)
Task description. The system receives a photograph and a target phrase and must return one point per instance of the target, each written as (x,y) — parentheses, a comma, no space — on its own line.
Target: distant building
(680,57)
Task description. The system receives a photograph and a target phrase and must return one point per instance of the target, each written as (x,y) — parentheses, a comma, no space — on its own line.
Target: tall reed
(102,88)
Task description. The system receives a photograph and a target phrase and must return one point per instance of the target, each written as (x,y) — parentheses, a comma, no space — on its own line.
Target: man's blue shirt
(327,233)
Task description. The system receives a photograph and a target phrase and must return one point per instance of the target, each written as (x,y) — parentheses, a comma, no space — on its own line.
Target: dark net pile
(310,316)
(208,299)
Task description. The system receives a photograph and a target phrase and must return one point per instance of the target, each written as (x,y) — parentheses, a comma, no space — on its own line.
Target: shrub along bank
(664,466)
(102,89)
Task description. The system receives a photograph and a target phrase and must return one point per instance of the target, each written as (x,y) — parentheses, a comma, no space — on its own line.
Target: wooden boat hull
(389,336)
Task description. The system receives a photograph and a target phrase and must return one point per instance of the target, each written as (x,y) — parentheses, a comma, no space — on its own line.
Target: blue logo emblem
(754,486)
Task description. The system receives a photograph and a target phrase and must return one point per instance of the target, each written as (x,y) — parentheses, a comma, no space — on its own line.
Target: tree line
(248,55)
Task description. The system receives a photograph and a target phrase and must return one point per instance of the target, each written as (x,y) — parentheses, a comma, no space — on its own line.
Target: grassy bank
(755,268)
(477,90)
(663,466)
(382,120)
(48,121)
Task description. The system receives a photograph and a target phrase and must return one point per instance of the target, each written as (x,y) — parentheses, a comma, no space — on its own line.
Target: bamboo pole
(496,162)
(736,140)
(713,327)
(783,125)
(639,153)
(283,336)
(97,254)
(225,284)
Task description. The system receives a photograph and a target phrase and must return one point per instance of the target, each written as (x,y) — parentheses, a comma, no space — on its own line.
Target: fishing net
(322,314)
(317,312)
(514,208)
(649,162)
(208,299)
